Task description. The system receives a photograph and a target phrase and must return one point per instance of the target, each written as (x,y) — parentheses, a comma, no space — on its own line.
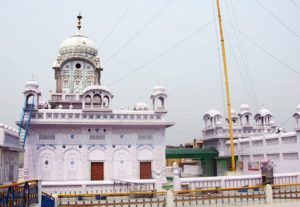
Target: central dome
(78,44)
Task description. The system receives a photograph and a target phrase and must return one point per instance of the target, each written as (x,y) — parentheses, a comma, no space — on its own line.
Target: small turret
(212,118)
(297,117)
(159,97)
(32,93)
(97,98)
(245,115)
(234,117)
(264,118)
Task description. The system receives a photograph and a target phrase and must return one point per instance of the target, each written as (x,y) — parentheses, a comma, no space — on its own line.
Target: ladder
(24,122)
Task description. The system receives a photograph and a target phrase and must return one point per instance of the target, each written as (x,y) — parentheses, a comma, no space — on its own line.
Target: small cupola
(212,118)
(245,115)
(32,93)
(296,116)
(96,98)
(264,117)
(234,117)
(159,97)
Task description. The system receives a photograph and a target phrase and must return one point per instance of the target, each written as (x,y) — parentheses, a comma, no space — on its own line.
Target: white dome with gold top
(78,46)
(78,43)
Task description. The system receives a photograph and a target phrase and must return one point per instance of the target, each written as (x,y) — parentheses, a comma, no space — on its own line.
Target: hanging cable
(264,50)
(138,31)
(295,4)
(281,22)
(243,68)
(285,122)
(245,58)
(116,24)
(239,69)
(162,54)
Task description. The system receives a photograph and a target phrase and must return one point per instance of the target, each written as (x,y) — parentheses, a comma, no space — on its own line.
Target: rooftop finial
(79,17)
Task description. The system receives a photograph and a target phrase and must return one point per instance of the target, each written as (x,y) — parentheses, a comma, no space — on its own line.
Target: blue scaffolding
(24,122)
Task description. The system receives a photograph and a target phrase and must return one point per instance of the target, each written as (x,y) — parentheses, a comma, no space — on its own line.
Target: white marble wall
(282,150)
(65,153)
(9,164)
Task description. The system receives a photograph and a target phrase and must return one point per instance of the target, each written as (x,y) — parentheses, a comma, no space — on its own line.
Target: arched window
(162,102)
(106,101)
(66,82)
(296,116)
(97,100)
(88,83)
(30,99)
(88,100)
(77,85)
(247,118)
(268,119)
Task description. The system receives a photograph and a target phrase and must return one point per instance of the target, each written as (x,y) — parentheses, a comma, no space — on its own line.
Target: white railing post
(39,192)
(298,178)
(222,182)
(55,199)
(83,188)
(158,183)
(170,199)
(269,194)
(176,180)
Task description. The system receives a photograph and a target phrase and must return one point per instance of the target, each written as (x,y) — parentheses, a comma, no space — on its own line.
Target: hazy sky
(168,42)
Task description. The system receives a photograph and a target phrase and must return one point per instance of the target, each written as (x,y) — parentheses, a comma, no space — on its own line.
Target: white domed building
(254,142)
(78,136)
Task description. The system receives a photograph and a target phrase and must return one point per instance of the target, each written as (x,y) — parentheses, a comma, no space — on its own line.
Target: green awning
(193,153)
(227,157)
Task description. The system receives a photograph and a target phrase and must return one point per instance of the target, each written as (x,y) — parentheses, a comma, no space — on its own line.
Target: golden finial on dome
(79,17)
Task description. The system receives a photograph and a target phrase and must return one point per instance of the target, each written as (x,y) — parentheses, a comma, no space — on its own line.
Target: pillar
(170,199)
(158,181)
(176,180)
(39,192)
(269,194)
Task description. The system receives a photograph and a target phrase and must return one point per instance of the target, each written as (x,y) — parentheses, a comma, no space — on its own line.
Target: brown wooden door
(97,170)
(145,170)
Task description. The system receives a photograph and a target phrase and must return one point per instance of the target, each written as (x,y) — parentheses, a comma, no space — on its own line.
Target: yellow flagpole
(227,87)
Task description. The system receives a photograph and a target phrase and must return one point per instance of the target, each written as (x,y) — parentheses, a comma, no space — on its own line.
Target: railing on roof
(234,181)
(95,187)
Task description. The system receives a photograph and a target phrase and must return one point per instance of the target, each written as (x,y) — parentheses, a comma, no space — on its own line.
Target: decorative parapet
(9,137)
